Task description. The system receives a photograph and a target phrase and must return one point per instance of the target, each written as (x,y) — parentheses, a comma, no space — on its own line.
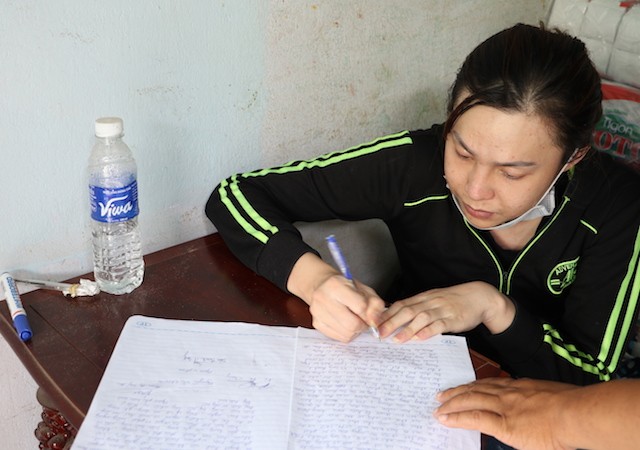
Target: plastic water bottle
(113,191)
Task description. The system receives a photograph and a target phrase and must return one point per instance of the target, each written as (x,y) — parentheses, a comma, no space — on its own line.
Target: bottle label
(114,204)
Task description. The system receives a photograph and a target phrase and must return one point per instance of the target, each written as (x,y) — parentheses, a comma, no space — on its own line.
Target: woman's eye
(511,176)
(462,155)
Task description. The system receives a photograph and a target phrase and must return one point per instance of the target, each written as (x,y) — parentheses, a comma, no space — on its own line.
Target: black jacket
(575,284)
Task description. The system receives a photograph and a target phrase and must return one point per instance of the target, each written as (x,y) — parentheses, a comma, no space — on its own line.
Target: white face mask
(544,207)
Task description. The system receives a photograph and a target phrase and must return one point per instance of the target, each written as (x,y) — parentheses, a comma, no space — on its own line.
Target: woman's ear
(576,157)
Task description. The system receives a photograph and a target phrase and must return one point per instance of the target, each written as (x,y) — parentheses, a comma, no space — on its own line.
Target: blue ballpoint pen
(18,314)
(338,257)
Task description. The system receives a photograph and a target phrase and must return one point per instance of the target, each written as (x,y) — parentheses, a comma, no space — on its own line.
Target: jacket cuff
(279,256)
(521,340)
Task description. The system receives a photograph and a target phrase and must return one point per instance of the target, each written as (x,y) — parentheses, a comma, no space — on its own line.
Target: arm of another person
(534,414)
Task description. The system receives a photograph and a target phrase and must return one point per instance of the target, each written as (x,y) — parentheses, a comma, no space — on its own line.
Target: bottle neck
(108,139)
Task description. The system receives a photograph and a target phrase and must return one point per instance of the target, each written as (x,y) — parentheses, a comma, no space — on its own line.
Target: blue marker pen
(338,257)
(18,314)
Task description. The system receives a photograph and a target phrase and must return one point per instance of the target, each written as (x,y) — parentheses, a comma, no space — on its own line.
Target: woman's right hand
(339,309)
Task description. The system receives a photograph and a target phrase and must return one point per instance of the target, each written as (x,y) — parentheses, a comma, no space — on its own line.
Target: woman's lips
(477,213)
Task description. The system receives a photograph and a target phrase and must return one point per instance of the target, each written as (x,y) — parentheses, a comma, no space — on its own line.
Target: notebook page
(174,384)
(371,394)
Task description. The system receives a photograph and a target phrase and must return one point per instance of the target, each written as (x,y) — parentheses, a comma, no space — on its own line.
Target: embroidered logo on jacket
(562,276)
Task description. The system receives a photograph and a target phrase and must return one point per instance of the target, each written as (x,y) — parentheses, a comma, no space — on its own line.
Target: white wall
(206,89)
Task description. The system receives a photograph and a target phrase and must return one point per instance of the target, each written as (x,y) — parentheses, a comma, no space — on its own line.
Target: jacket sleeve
(586,344)
(254,212)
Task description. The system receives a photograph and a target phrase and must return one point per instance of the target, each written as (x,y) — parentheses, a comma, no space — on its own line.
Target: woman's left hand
(448,310)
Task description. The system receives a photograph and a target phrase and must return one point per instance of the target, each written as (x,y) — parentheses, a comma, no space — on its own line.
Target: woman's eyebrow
(459,140)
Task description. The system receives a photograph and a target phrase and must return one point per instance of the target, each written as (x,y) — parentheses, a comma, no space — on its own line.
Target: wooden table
(197,280)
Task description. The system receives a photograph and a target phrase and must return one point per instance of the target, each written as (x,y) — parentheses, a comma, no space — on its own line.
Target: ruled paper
(175,384)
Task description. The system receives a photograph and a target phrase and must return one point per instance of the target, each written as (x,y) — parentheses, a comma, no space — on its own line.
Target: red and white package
(618,132)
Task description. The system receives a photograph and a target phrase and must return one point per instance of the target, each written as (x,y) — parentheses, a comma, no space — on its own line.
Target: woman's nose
(479,184)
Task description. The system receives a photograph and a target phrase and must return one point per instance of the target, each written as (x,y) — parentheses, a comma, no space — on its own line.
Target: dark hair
(532,70)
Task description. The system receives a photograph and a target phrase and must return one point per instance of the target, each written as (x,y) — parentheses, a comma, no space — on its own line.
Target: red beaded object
(54,432)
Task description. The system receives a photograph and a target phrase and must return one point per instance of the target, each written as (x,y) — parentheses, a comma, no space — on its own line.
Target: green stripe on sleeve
(625,305)
(629,289)
(336,157)
(571,354)
(261,229)
(260,236)
(249,210)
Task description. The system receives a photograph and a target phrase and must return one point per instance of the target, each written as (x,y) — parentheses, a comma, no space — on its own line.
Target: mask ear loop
(572,157)
(576,153)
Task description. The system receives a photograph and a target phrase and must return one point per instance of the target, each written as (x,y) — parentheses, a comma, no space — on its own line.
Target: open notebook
(177,384)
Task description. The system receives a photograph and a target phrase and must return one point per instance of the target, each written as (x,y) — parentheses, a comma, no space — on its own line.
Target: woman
(505,230)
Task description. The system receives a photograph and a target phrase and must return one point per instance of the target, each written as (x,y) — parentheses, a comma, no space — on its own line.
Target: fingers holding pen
(342,310)
(372,309)
(339,333)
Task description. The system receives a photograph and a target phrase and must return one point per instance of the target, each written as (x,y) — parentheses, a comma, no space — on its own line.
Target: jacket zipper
(505,276)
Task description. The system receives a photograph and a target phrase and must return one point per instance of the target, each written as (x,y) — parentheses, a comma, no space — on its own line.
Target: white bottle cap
(108,127)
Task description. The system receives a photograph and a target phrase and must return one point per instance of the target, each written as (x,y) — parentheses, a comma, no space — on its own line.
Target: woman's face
(499,164)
